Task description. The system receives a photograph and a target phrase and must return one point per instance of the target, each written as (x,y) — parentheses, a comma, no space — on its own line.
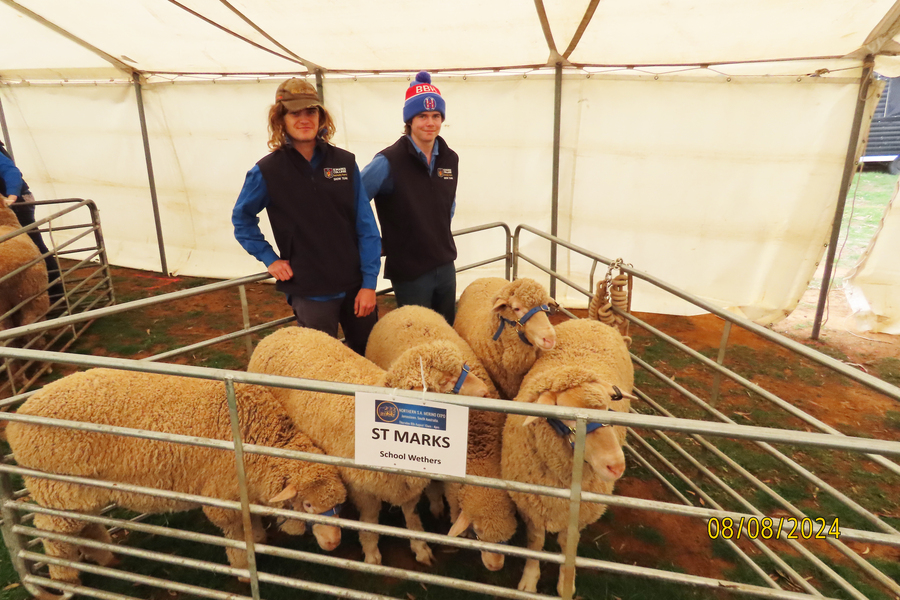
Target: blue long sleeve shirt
(12,177)
(376,175)
(254,198)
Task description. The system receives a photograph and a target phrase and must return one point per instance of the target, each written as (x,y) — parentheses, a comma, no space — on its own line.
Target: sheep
(506,326)
(30,283)
(329,419)
(489,512)
(589,368)
(172,405)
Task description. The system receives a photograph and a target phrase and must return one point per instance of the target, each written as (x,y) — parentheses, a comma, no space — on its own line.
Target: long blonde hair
(279,139)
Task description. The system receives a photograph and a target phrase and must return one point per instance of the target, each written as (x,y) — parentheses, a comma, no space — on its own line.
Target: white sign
(411,434)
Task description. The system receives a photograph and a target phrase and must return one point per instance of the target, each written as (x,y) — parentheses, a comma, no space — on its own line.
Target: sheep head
(437,366)
(514,301)
(491,515)
(316,490)
(576,387)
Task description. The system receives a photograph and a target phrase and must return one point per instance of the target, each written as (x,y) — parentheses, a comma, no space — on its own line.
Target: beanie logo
(424,89)
(430,103)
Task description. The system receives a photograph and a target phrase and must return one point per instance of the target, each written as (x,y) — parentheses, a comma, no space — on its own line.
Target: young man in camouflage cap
(329,247)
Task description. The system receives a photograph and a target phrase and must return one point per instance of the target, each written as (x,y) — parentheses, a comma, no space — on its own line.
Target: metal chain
(613,291)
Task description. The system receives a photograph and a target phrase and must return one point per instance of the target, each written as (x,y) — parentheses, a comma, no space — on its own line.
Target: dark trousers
(325,316)
(436,290)
(25,215)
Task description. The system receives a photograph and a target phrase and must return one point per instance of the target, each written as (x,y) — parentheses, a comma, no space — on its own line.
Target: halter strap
(333,512)
(520,323)
(569,432)
(462,378)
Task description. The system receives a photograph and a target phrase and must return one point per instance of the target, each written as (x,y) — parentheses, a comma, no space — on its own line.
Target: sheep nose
(548,342)
(617,469)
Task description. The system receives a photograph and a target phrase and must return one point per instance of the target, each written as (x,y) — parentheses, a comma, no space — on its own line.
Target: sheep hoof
(374,558)
(423,554)
(528,584)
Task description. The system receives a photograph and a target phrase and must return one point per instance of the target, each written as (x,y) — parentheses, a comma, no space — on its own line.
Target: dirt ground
(623,535)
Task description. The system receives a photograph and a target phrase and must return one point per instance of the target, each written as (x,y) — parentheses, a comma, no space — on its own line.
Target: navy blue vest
(415,217)
(313,217)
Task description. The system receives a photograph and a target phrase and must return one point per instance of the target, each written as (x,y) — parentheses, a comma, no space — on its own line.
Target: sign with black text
(411,434)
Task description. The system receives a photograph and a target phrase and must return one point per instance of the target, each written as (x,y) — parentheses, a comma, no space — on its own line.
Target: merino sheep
(490,317)
(489,512)
(170,405)
(28,285)
(330,419)
(590,368)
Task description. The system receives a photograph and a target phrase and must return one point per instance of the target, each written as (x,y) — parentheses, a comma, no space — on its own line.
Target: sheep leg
(369,506)
(414,523)
(100,556)
(435,494)
(231,524)
(532,571)
(562,537)
(452,493)
(61,549)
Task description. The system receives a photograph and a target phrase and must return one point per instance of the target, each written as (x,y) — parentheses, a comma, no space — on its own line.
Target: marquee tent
(707,142)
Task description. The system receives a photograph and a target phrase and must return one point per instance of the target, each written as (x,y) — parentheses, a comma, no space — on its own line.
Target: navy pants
(436,290)
(324,315)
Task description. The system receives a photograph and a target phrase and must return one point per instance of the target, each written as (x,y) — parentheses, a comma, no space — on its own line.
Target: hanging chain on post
(613,291)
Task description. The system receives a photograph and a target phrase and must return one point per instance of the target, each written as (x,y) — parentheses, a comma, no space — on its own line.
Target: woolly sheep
(490,304)
(590,368)
(329,419)
(30,283)
(490,512)
(171,405)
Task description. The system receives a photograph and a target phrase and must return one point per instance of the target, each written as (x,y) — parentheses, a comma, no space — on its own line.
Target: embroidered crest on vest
(445,173)
(336,173)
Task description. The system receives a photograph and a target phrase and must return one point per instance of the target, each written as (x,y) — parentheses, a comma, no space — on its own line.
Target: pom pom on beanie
(421,96)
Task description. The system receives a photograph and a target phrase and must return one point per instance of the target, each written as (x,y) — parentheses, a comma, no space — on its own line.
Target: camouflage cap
(297,94)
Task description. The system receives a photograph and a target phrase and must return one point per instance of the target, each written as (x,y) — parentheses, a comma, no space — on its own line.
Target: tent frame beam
(554,195)
(850,164)
(152,180)
(5,130)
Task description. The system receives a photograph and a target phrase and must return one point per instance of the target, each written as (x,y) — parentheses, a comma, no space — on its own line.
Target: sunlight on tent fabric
(706,31)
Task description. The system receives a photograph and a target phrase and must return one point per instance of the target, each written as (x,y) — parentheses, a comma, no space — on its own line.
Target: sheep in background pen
(590,368)
(329,419)
(170,405)
(489,512)
(507,327)
(28,285)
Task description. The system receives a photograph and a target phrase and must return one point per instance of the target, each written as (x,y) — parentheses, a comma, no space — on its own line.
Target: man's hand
(365,302)
(281,270)
(8,200)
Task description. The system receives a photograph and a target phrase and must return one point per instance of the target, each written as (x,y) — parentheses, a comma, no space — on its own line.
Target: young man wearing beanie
(413,183)
(329,248)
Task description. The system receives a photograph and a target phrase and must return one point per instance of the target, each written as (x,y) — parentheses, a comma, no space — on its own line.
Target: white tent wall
(724,188)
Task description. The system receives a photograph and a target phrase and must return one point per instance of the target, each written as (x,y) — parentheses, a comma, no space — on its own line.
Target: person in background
(329,249)
(16,194)
(413,183)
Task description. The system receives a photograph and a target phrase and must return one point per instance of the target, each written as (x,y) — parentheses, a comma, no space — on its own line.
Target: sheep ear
(499,304)
(547,398)
(286,494)
(462,523)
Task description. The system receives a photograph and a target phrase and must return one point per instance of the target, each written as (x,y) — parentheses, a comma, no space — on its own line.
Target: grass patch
(888,369)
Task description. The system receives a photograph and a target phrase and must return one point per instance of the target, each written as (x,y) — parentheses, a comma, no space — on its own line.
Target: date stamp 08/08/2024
(768,528)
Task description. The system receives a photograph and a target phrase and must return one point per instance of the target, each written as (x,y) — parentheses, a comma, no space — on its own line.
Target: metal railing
(664,443)
(79,286)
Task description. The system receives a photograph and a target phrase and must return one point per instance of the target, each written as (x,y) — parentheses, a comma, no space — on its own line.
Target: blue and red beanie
(421,96)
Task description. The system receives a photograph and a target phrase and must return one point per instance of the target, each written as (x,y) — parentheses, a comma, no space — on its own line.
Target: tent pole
(554,201)
(153,199)
(5,131)
(849,168)
(320,86)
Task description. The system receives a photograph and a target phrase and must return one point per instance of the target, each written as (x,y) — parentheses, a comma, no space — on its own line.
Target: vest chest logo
(336,173)
(445,173)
